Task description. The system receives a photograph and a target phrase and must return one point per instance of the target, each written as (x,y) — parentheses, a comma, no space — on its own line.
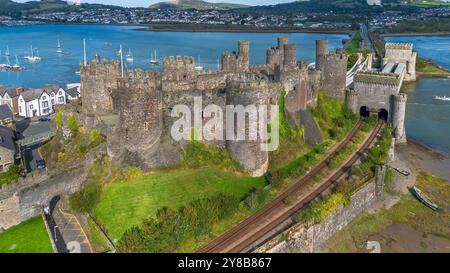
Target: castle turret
(334,73)
(281,41)
(244,56)
(271,58)
(248,90)
(179,68)
(290,56)
(411,67)
(97,82)
(351,100)
(398,119)
(321,50)
(369,61)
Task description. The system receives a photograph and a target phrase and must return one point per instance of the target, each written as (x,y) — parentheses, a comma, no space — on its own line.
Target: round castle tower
(244,56)
(290,56)
(351,100)
(321,51)
(246,90)
(398,119)
(138,101)
(97,82)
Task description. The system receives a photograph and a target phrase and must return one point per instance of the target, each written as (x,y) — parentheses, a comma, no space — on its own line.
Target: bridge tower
(398,119)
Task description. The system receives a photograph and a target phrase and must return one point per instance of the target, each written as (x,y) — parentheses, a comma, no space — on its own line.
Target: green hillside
(194,4)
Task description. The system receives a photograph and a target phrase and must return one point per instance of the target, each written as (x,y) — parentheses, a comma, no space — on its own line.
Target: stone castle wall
(307,238)
(135,111)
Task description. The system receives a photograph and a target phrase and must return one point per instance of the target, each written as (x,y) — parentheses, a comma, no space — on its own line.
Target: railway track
(276,212)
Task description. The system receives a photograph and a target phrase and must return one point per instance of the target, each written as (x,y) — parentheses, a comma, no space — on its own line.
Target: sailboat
(59,49)
(129,58)
(153,59)
(16,66)
(31,57)
(199,67)
(7,53)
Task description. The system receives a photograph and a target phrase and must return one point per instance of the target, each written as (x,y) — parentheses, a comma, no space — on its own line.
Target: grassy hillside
(195,4)
(27,237)
(123,205)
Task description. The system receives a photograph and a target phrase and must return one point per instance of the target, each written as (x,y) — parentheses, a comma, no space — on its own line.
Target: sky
(145,3)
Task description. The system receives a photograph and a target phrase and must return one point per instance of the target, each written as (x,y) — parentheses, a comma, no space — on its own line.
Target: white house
(57,95)
(35,102)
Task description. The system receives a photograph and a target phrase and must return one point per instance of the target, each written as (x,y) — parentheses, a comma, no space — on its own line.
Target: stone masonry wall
(304,238)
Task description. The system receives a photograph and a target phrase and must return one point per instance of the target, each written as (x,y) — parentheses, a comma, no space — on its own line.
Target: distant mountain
(308,6)
(11,8)
(195,4)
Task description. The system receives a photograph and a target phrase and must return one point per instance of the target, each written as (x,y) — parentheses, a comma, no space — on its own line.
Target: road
(241,237)
(366,39)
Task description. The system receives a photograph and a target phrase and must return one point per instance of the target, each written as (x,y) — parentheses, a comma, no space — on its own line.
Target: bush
(171,227)
(59,118)
(320,209)
(197,154)
(11,175)
(94,136)
(72,124)
(256,199)
(85,200)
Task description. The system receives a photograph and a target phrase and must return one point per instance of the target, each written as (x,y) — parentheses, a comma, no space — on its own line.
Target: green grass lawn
(27,237)
(353,46)
(426,66)
(124,205)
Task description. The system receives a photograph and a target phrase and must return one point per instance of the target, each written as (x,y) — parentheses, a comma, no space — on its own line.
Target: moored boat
(445,98)
(423,198)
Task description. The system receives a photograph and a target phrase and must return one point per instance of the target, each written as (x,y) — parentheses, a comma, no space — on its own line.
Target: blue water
(428,120)
(105,40)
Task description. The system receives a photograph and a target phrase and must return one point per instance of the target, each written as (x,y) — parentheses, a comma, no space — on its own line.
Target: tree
(72,124)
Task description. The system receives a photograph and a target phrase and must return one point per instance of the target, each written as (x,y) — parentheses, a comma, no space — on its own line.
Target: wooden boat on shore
(423,198)
(403,172)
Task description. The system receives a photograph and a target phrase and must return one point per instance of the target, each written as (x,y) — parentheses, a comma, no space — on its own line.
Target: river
(106,40)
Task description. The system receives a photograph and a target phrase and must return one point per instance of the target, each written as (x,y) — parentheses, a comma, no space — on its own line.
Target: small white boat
(58,48)
(129,57)
(444,98)
(154,59)
(199,67)
(7,53)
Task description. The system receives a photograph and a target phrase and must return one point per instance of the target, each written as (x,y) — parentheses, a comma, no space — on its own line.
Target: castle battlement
(179,62)
(248,81)
(402,46)
(378,78)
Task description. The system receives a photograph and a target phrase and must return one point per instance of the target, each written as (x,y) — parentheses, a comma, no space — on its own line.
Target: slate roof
(5,112)
(7,137)
(32,94)
(8,89)
(73,92)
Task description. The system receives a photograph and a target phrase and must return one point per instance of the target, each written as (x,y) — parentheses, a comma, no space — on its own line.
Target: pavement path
(71,230)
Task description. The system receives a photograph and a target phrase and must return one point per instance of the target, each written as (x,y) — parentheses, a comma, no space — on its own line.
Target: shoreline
(415,34)
(165,28)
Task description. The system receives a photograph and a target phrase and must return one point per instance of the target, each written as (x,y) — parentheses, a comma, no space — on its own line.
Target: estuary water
(56,68)
(428,120)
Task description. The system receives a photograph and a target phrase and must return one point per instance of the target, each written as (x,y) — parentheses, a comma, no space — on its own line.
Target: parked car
(44,119)
(40,164)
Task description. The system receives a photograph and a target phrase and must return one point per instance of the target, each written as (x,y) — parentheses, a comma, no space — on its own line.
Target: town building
(8,148)
(35,102)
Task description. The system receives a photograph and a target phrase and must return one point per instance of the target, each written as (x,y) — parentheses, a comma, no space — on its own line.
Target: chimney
(19,90)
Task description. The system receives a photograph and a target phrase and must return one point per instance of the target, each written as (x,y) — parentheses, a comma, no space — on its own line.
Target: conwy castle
(134,110)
